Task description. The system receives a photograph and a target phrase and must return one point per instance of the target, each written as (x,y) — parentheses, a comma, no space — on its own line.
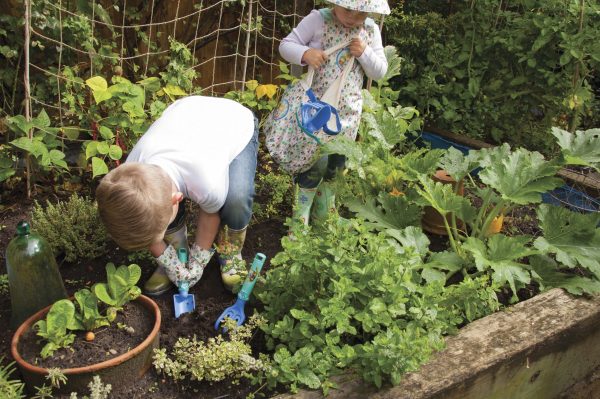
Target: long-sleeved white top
(308,34)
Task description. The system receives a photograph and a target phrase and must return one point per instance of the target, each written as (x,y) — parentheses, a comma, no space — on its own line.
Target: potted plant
(70,330)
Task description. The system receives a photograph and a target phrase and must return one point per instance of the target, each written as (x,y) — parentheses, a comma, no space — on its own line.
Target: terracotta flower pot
(120,370)
(432,220)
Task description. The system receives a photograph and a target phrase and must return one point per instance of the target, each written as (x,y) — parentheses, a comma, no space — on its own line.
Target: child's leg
(175,235)
(304,193)
(236,213)
(325,196)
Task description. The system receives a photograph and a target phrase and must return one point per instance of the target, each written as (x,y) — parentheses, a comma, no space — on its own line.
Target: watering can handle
(252,276)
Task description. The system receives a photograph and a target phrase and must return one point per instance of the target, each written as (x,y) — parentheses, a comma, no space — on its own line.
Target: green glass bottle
(33,276)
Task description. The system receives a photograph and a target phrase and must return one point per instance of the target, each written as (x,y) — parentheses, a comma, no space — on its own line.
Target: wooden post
(26,42)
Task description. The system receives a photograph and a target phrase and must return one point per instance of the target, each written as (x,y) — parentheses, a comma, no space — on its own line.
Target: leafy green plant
(121,285)
(9,388)
(39,141)
(465,66)
(123,111)
(216,359)
(55,328)
(256,96)
(88,316)
(357,301)
(507,179)
(72,227)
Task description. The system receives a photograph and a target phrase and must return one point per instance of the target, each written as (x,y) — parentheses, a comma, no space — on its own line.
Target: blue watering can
(236,311)
(315,114)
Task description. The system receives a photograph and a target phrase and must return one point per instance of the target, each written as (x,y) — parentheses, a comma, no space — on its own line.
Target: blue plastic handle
(315,114)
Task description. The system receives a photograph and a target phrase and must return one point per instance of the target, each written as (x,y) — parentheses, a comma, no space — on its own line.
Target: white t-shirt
(194,141)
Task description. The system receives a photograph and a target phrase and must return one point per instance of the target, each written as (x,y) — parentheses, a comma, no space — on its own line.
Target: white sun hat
(375,6)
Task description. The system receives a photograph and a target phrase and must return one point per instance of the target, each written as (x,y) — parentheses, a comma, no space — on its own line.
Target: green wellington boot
(159,282)
(303,200)
(229,245)
(324,202)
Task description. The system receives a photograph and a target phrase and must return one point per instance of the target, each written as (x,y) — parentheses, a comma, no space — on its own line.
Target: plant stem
(490,217)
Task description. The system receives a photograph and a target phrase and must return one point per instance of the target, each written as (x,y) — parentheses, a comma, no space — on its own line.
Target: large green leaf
(573,238)
(99,167)
(387,212)
(550,277)
(502,255)
(581,148)
(457,165)
(420,162)
(444,200)
(521,176)
(442,265)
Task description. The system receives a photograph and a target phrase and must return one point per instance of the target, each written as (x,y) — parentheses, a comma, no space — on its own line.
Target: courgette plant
(507,178)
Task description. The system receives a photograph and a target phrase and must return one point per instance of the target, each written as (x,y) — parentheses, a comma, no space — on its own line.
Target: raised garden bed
(538,348)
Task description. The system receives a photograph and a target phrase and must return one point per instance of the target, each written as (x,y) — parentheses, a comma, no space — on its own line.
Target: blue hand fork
(236,311)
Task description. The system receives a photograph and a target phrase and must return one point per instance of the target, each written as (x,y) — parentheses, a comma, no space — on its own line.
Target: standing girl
(346,21)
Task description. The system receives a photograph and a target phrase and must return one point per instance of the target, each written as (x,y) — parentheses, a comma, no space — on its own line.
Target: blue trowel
(184,302)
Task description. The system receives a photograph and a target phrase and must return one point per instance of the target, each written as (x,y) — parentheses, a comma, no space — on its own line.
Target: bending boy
(203,149)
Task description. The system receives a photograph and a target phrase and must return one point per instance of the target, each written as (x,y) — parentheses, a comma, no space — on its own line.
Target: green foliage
(55,328)
(466,65)
(501,255)
(581,148)
(261,98)
(216,359)
(273,188)
(71,227)
(355,301)
(38,140)
(180,72)
(4,288)
(88,317)
(519,176)
(121,285)
(572,238)
(121,114)
(64,316)
(9,388)
(98,390)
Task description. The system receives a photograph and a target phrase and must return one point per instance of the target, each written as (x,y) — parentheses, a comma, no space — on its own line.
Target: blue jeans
(324,169)
(237,210)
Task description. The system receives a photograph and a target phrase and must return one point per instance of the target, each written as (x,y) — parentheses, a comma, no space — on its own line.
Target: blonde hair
(134,202)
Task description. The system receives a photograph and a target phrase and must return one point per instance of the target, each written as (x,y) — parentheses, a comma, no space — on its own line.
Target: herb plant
(71,227)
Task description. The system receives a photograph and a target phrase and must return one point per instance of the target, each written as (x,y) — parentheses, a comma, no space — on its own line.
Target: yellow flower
(396,193)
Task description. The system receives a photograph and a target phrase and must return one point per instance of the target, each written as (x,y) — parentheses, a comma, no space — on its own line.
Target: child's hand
(357,47)
(313,57)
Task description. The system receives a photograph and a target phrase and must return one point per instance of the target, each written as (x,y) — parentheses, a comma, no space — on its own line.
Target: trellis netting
(229,41)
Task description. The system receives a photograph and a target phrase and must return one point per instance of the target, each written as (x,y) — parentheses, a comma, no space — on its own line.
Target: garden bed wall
(535,349)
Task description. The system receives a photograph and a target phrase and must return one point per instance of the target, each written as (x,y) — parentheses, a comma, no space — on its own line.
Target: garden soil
(211,299)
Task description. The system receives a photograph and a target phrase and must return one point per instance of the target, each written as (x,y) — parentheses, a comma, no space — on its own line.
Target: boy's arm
(293,47)
(207,227)
(373,59)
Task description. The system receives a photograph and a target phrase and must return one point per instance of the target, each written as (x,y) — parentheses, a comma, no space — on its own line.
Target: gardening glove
(178,271)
